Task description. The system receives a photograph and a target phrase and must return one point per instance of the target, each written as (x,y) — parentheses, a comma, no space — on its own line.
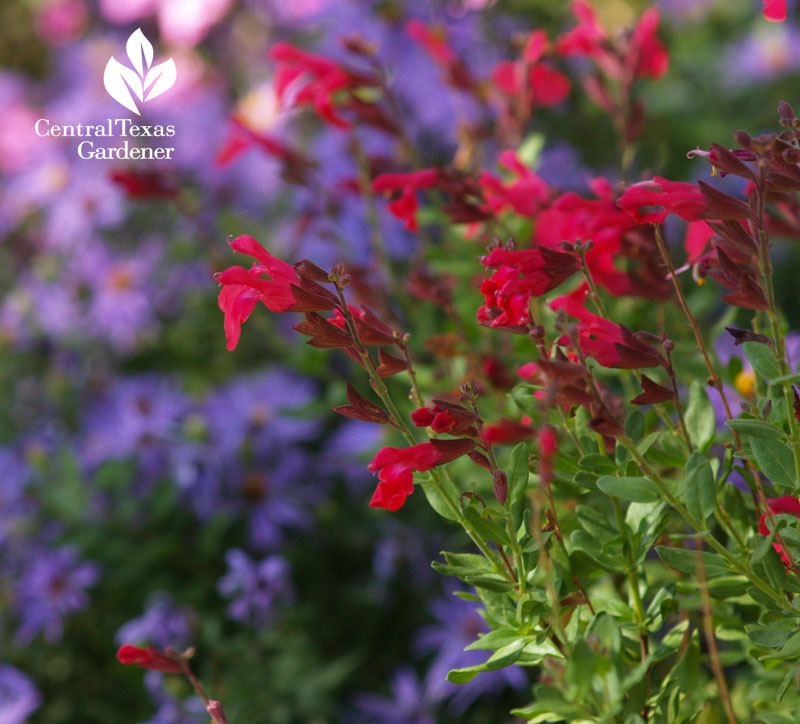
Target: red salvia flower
(671,197)
(787,505)
(446,417)
(610,344)
(305,79)
(520,276)
(507,432)
(145,183)
(243,289)
(395,468)
(775,10)
(525,195)
(149,658)
(572,217)
(643,55)
(530,78)
(405,207)
(434,41)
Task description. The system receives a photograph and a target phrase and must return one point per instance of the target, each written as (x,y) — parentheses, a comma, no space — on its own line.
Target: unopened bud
(216,713)
(567,245)
(500,483)
(785,111)
(668,345)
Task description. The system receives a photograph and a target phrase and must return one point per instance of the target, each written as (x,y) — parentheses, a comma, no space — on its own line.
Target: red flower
(775,10)
(610,344)
(525,195)
(506,432)
(305,79)
(395,468)
(446,417)
(435,43)
(145,184)
(786,504)
(672,197)
(572,217)
(529,77)
(405,207)
(520,276)
(149,658)
(643,56)
(652,60)
(243,289)
(698,234)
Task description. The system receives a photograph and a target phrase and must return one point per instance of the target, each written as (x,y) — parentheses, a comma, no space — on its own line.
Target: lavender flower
(163,624)
(254,586)
(458,625)
(409,703)
(19,698)
(138,416)
(171,710)
(52,586)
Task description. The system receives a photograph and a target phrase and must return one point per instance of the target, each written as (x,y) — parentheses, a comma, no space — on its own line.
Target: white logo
(145,81)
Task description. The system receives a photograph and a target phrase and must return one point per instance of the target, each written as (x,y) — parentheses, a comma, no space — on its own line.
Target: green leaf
(776,460)
(636,490)
(701,422)
(756,428)
(700,487)
(437,500)
(763,359)
(518,480)
(488,529)
(494,640)
(786,683)
(769,638)
(501,658)
(686,561)
(598,464)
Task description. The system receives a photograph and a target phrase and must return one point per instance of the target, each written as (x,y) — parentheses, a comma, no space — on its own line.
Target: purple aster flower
(458,624)
(19,698)
(52,586)
(771,51)
(260,410)
(163,624)
(408,704)
(254,586)
(14,475)
(171,710)
(137,416)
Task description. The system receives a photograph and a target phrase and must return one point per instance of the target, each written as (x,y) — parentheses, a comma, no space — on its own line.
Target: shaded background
(155,487)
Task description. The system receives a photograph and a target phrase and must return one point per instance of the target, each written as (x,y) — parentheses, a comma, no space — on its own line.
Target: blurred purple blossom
(409,703)
(768,52)
(171,710)
(458,624)
(255,587)
(52,585)
(137,416)
(19,698)
(163,624)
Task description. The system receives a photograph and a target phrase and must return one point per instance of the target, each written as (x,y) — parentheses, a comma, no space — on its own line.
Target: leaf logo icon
(142,82)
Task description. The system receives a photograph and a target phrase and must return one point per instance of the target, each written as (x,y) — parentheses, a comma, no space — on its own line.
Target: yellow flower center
(745,383)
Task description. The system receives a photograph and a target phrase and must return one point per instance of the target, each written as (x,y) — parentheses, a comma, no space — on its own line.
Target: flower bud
(500,483)
(216,713)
